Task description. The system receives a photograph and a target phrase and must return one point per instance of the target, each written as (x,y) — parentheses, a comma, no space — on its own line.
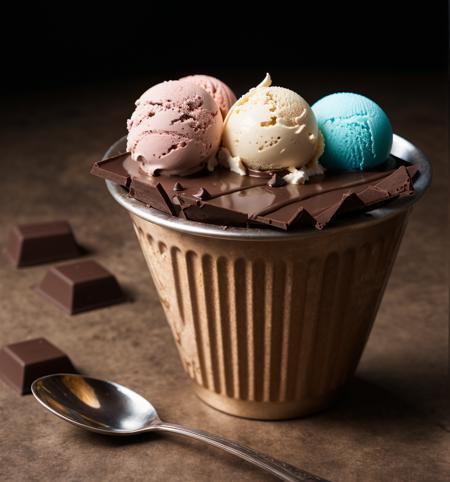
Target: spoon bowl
(96,405)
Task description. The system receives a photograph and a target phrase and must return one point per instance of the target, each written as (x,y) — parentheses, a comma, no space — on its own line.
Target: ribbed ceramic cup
(269,324)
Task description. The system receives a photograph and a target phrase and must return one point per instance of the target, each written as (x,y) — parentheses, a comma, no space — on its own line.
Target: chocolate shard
(178,187)
(276,180)
(373,195)
(349,202)
(208,213)
(301,218)
(80,286)
(113,170)
(154,195)
(397,183)
(202,194)
(31,244)
(22,363)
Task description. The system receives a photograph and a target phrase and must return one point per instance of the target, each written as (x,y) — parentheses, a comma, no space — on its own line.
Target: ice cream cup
(271,324)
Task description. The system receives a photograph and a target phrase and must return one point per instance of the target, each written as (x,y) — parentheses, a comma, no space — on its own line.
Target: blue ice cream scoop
(357,132)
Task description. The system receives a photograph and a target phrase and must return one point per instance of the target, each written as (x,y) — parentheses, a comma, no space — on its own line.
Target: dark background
(52,45)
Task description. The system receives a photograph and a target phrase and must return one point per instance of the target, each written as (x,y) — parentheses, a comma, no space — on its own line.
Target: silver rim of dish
(401,148)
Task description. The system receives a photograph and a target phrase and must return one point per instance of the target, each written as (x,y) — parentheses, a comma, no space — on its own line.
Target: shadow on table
(119,441)
(368,409)
(367,400)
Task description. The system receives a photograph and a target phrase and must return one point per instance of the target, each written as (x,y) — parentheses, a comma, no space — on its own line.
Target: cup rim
(401,148)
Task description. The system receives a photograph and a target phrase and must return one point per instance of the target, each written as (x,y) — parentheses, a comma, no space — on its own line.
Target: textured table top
(393,423)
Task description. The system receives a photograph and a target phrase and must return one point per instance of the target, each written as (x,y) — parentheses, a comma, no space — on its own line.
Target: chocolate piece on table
(22,363)
(80,286)
(178,187)
(37,243)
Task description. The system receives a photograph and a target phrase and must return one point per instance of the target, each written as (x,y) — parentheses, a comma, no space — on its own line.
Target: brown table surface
(392,424)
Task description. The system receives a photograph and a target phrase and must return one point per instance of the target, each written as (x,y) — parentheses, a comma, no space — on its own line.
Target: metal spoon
(112,409)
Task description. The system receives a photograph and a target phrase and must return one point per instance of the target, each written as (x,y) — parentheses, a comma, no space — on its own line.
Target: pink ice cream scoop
(176,128)
(219,91)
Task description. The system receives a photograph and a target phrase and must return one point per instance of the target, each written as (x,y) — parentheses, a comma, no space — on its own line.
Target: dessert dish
(31,244)
(268,171)
(80,286)
(270,313)
(22,363)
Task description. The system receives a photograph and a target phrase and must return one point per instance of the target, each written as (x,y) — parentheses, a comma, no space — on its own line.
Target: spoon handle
(280,469)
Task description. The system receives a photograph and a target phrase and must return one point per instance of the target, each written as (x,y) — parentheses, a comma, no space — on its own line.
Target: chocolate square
(31,244)
(80,286)
(22,363)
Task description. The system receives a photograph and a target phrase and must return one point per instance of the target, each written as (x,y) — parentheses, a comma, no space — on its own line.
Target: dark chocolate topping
(235,200)
(202,194)
(178,187)
(276,180)
(114,169)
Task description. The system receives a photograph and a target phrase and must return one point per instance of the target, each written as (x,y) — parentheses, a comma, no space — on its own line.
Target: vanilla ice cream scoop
(272,128)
